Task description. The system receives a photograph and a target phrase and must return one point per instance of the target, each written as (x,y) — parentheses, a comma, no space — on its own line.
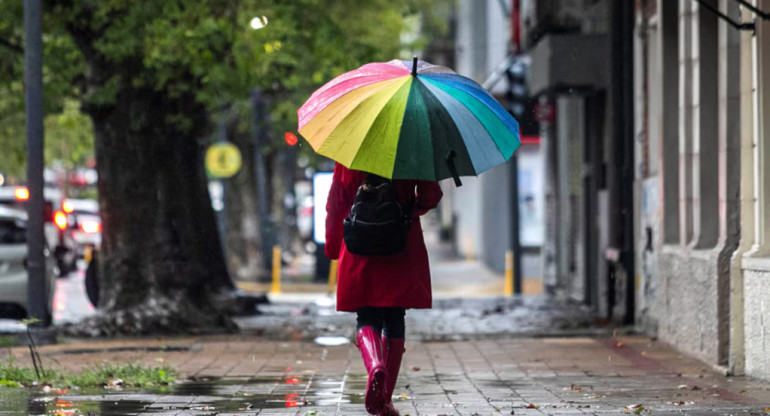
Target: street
(250,375)
(70,302)
(477,355)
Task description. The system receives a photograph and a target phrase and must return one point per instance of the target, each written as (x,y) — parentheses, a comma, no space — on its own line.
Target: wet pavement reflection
(240,396)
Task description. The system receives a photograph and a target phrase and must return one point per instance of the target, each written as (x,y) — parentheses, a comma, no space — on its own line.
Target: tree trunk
(244,240)
(162,267)
(284,163)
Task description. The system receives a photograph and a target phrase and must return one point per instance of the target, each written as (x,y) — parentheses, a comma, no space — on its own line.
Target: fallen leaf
(683,387)
(619,344)
(532,406)
(635,408)
(644,353)
(415,368)
(115,383)
(596,396)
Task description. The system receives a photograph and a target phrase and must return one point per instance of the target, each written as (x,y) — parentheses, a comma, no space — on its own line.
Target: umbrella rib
(344,140)
(414,155)
(317,103)
(475,137)
(440,116)
(378,150)
(478,108)
(322,125)
(461,83)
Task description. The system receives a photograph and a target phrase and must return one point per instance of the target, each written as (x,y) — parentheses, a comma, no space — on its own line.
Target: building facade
(702,144)
(654,160)
(581,75)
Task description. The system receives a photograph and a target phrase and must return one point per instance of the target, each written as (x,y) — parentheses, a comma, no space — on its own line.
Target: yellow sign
(223,160)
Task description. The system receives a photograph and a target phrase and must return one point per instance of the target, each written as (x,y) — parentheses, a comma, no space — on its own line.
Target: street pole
(259,135)
(627,169)
(513,178)
(621,180)
(33,94)
(513,165)
(222,138)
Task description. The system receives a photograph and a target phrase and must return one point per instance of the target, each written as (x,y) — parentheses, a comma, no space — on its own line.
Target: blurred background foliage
(208,47)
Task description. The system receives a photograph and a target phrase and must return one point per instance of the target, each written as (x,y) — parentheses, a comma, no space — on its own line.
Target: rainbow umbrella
(408,120)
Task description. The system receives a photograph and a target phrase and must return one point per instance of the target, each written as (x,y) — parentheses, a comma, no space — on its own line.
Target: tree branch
(12,46)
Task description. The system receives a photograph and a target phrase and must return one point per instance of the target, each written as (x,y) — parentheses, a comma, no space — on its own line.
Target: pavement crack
(467,377)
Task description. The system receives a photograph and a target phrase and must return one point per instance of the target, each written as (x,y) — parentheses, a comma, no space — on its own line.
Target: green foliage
(130,374)
(105,374)
(178,46)
(70,136)
(9,383)
(8,341)
(11,373)
(62,73)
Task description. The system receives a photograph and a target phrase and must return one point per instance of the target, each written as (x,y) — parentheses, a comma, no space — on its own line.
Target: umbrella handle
(450,162)
(414,66)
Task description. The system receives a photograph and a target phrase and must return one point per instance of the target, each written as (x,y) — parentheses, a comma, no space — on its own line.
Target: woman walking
(379,289)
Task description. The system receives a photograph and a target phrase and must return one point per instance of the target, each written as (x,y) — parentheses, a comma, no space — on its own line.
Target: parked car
(84,225)
(14,278)
(55,223)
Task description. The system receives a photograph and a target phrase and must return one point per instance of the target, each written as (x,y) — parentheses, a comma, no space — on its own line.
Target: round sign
(223,160)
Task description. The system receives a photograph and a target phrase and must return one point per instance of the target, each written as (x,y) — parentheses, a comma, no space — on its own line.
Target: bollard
(470,253)
(509,273)
(332,276)
(276,286)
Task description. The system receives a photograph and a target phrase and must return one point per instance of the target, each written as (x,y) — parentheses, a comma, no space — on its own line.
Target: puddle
(331,341)
(325,302)
(202,396)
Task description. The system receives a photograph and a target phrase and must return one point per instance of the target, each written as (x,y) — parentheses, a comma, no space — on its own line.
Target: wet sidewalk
(249,375)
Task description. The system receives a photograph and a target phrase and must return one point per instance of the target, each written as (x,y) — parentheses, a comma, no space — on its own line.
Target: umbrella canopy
(408,120)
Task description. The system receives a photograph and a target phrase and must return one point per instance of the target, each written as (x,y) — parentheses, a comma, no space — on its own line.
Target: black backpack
(378,224)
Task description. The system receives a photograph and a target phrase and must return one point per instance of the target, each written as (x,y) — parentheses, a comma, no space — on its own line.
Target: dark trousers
(388,320)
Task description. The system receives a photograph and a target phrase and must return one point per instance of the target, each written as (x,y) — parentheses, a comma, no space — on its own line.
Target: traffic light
(520,104)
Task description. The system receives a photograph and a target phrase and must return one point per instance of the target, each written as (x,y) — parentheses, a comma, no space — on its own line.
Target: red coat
(400,280)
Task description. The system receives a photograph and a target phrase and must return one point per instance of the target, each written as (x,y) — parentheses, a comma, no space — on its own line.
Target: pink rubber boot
(392,351)
(371,352)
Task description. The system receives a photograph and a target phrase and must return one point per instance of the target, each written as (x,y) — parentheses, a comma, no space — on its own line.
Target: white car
(84,225)
(59,242)
(13,266)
